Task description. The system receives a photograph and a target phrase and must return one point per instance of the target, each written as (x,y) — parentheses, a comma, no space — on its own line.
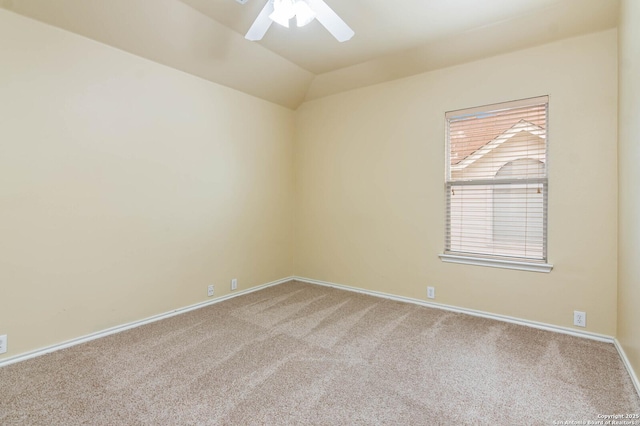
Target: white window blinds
(496,181)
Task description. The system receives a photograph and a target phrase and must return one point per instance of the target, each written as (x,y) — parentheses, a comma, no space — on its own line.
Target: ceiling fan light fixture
(304,14)
(305,11)
(283,11)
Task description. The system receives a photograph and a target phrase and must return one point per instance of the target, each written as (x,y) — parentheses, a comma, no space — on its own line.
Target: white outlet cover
(210,291)
(3,344)
(580,318)
(431,292)
(234,284)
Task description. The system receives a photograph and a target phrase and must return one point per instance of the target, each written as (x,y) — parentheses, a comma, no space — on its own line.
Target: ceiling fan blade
(261,24)
(331,21)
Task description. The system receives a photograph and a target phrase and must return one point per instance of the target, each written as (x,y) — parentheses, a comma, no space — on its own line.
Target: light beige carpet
(303,354)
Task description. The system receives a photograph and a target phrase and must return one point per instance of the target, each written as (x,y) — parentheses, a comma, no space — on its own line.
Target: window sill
(497,263)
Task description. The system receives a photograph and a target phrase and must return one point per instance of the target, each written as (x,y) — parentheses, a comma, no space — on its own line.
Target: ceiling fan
(305,11)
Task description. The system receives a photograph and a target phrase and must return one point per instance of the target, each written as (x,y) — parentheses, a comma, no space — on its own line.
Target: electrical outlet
(3,344)
(580,318)
(234,284)
(210,291)
(431,292)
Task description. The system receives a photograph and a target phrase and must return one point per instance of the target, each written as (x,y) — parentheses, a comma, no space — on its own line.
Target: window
(496,185)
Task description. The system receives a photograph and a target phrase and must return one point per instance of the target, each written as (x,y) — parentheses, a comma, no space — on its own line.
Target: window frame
(496,260)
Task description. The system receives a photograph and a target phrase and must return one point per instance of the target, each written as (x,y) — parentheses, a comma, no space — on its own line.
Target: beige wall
(370,181)
(629,177)
(126,187)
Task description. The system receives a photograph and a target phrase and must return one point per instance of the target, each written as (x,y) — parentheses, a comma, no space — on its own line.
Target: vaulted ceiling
(393,39)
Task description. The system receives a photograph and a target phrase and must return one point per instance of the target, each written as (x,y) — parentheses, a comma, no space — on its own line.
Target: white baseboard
(627,364)
(134,324)
(504,318)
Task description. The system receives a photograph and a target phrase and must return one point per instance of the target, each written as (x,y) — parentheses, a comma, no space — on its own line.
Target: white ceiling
(393,38)
(385,27)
